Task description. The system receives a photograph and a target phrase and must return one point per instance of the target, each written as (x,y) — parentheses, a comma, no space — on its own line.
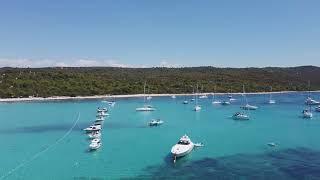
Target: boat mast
(144,92)
(197,96)
(270,97)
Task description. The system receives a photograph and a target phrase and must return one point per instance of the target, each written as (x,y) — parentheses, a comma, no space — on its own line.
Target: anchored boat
(182,148)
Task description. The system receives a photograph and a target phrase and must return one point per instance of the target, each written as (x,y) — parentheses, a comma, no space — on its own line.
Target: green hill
(75,81)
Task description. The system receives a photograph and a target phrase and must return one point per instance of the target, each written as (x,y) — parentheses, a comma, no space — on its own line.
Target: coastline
(58,98)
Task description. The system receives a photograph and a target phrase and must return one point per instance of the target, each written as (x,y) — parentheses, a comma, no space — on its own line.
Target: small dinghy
(155,122)
(95,134)
(182,148)
(93,128)
(185,102)
(317,109)
(173,97)
(100,119)
(272,144)
(99,110)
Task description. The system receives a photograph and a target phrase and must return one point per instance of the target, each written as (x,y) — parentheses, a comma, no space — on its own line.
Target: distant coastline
(109,97)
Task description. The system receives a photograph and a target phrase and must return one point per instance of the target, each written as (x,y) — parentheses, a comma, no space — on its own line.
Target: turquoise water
(131,149)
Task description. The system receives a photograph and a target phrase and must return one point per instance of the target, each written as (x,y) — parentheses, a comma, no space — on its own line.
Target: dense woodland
(45,82)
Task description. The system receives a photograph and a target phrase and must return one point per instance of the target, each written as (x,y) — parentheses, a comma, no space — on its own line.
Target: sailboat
(197,107)
(271,101)
(145,106)
(247,106)
(241,115)
(309,100)
(307,113)
(204,96)
(215,101)
(149,97)
(192,99)
(230,96)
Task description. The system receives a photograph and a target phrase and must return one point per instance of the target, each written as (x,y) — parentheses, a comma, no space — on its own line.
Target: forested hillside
(44,82)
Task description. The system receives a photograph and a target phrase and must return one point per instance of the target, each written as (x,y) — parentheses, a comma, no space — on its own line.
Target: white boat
(317,109)
(100,118)
(149,97)
(249,107)
(93,128)
(146,108)
(240,116)
(203,97)
(95,134)
(182,148)
(192,99)
(271,101)
(225,103)
(111,103)
(307,114)
(102,114)
(197,107)
(99,110)
(185,102)
(173,97)
(95,144)
(155,122)
(309,100)
(230,96)
(215,101)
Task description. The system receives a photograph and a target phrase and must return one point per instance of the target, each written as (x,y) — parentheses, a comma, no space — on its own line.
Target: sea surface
(36,141)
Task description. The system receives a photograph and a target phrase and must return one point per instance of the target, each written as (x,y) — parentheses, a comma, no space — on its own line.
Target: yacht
(271,101)
(203,97)
(240,116)
(155,122)
(182,148)
(185,102)
(145,106)
(173,97)
(93,128)
(230,96)
(149,97)
(95,134)
(95,144)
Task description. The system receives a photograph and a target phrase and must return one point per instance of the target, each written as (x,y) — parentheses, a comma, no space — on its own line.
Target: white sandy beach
(55,98)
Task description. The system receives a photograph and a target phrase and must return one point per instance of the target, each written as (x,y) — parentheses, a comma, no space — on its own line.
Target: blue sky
(225,33)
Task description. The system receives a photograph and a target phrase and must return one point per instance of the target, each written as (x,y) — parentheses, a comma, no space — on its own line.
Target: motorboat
(146,108)
(307,113)
(225,103)
(99,110)
(95,134)
(185,102)
(93,128)
(192,99)
(173,97)
(249,107)
(155,122)
(95,144)
(102,114)
(310,101)
(100,119)
(240,116)
(182,148)
(317,109)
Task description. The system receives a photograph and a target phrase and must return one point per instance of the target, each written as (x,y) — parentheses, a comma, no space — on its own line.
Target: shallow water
(131,149)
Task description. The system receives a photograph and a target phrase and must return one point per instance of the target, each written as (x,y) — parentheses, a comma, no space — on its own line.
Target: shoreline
(57,98)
